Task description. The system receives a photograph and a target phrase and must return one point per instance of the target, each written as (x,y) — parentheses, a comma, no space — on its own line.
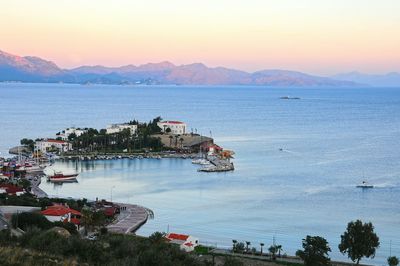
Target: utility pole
(112,191)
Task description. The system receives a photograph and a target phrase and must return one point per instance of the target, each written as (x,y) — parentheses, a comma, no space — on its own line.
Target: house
(109,209)
(116,128)
(185,242)
(11,189)
(173,127)
(72,130)
(62,213)
(47,145)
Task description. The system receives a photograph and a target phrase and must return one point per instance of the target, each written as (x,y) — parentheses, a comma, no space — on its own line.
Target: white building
(176,127)
(115,128)
(65,133)
(59,213)
(52,144)
(185,242)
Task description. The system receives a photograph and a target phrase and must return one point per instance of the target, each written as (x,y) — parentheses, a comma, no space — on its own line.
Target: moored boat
(61,177)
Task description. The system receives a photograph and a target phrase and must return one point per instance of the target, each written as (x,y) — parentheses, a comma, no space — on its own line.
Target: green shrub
(30,219)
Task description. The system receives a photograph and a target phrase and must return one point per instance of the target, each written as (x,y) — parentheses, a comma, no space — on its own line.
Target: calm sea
(331,140)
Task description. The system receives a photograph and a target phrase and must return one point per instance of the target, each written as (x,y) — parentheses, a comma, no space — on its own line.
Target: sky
(315,36)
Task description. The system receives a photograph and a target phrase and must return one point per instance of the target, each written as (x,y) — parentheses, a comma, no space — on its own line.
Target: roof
(174,236)
(58,210)
(11,189)
(172,122)
(53,141)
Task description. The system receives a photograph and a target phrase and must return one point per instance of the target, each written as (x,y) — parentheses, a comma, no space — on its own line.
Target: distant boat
(61,177)
(364,184)
(289,98)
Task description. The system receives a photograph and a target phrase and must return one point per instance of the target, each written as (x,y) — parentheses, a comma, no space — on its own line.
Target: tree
(248,243)
(28,143)
(393,261)
(90,219)
(272,249)
(358,241)
(234,242)
(72,136)
(279,249)
(239,247)
(315,251)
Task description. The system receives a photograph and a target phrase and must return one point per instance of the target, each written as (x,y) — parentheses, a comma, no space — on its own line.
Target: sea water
(297,162)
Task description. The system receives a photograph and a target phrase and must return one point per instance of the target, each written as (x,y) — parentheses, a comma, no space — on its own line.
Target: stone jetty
(130,219)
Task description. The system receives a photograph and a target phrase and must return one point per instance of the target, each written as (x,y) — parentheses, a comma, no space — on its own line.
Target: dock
(217,165)
(130,219)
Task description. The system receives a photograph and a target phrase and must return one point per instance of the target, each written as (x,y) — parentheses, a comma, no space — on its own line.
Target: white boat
(364,184)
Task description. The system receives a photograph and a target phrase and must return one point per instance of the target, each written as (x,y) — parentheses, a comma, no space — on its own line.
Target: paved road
(38,192)
(129,220)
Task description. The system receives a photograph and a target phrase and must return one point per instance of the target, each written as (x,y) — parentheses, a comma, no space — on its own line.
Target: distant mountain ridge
(35,69)
(387,80)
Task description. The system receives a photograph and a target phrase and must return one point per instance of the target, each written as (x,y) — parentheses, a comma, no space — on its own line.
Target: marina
(287,194)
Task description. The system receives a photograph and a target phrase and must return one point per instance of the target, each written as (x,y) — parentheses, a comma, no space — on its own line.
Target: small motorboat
(364,184)
(61,177)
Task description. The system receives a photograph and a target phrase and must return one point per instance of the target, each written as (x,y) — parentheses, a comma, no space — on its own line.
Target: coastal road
(35,182)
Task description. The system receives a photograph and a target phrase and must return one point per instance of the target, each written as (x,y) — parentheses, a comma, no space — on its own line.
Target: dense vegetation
(98,141)
(29,200)
(109,249)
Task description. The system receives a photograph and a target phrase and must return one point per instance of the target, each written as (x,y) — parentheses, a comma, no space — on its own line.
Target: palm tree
(181,141)
(279,249)
(248,243)
(261,244)
(176,140)
(234,245)
(170,140)
(87,219)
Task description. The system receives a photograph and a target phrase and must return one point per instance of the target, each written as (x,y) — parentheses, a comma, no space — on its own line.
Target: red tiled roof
(56,141)
(174,236)
(59,210)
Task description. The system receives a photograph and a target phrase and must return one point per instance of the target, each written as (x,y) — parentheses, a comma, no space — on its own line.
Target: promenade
(130,219)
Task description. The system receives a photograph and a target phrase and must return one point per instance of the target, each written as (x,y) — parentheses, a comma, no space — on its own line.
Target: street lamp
(112,191)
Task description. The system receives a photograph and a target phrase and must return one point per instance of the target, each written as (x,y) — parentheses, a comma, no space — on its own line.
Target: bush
(69,226)
(30,219)
(230,261)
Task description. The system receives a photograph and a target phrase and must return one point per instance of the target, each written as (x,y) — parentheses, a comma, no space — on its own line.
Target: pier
(130,219)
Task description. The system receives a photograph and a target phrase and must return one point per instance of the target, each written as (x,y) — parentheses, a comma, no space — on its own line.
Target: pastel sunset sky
(315,36)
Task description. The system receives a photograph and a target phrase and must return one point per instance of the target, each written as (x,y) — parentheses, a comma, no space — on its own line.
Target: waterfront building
(47,145)
(72,130)
(173,127)
(185,242)
(62,213)
(116,128)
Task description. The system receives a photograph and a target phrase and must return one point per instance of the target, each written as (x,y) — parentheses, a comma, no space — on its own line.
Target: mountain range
(14,68)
